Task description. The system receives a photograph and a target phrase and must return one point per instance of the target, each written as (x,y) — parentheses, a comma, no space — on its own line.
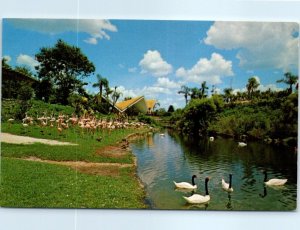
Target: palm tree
(228,94)
(102,82)
(115,96)
(186,91)
(252,86)
(194,93)
(203,90)
(290,80)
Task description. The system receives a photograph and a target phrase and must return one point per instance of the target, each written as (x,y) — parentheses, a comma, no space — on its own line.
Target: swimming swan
(227,187)
(273,182)
(199,199)
(242,144)
(186,185)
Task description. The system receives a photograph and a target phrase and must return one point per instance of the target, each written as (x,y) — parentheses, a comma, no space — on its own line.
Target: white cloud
(167,83)
(210,71)
(91,40)
(260,44)
(97,29)
(26,60)
(127,92)
(154,64)
(7,58)
(132,70)
(153,91)
(272,87)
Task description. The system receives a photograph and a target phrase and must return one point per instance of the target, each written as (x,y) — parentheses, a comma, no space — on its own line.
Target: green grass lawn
(35,184)
(38,184)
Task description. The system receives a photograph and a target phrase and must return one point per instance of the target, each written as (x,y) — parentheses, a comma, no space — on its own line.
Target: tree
(228,94)
(186,91)
(24,70)
(203,90)
(197,115)
(5,64)
(101,83)
(194,93)
(63,65)
(171,109)
(252,86)
(290,80)
(115,96)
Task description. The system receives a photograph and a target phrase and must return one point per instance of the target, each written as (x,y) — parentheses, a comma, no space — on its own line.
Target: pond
(166,157)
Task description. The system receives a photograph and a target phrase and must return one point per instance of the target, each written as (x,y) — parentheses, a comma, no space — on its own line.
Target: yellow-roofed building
(142,105)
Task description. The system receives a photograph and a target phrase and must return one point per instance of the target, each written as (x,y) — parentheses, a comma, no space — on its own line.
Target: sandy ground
(14,139)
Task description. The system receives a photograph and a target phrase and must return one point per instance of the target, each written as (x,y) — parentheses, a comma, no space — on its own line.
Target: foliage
(147,119)
(101,83)
(186,92)
(197,115)
(10,109)
(171,109)
(252,86)
(290,80)
(63,65)
(275,117)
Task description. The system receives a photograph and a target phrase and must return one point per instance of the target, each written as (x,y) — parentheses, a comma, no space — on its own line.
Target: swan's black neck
(266,176)
(230,180)
(206,187)
(193,180)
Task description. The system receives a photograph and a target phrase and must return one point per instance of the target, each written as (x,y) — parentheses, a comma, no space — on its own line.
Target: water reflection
(163,160)
(229,205)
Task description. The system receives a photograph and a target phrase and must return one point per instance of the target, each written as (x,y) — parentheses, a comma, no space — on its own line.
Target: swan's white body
(242,144)
(185,185)
(276,182)
(197,199)
(225,186)
(162,134)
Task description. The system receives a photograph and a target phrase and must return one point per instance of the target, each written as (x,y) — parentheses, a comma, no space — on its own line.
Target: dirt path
(93,168)
(15,139)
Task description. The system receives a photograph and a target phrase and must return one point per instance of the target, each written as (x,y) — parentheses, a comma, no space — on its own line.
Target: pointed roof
(150,103)
(124,105)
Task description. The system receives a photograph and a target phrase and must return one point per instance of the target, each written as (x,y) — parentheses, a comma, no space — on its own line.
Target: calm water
(164,159)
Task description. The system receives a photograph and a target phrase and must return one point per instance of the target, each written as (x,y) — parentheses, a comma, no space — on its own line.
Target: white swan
(186,185)
(273,182)
(211,138)
(227,187)
(199,199)
(242,144)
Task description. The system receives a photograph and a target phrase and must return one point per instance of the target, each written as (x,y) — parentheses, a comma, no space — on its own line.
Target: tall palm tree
(203,90)
(115,96)
(101,83)
(252,86)
(186,91)
(290,80)
(228,94)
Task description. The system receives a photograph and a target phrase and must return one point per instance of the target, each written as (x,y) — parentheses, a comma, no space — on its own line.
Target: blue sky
(155,58)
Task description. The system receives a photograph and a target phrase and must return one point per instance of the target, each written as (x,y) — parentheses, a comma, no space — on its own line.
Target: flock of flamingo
(88,124)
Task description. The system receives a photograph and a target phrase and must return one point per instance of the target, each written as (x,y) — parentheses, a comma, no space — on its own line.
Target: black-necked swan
(199,199)
(274,181)
(186,185)
(227,187)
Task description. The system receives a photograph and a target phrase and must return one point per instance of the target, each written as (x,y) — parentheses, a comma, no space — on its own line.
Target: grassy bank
(39,184)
